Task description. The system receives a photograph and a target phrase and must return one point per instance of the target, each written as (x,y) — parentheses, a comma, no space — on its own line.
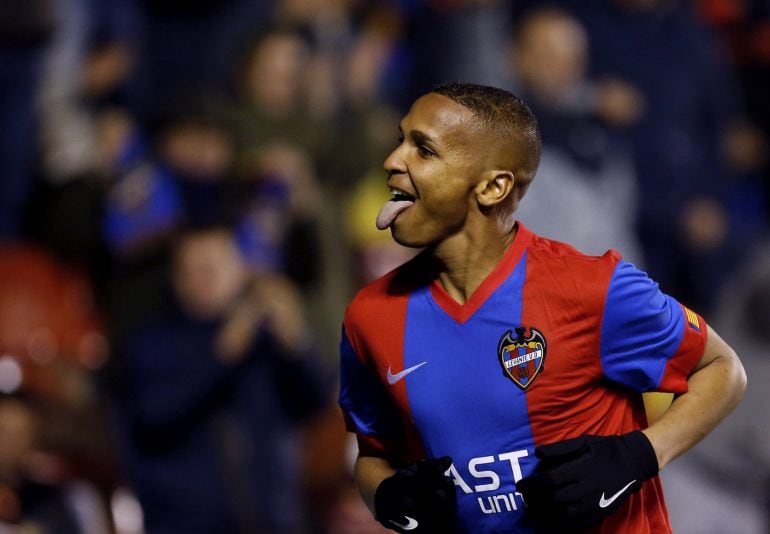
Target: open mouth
(399,195)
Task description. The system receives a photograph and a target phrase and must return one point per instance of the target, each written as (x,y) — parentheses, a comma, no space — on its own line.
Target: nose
(394,163)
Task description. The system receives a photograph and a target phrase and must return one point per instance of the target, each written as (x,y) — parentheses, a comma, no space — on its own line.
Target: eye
(425,152)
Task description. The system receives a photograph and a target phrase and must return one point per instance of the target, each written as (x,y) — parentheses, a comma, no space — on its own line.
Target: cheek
(448,199)
(448,212)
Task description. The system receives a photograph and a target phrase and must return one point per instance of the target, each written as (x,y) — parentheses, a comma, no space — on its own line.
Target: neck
(466,259)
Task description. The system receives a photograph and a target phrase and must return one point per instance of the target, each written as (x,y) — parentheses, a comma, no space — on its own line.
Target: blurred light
(42,346)
(88,506)
(126,512)
(93,350)
(10,374)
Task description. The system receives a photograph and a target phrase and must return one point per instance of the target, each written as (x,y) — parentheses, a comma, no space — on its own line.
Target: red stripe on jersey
(563,296)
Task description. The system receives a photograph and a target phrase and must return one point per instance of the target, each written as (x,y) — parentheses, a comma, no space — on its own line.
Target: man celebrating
(494,381)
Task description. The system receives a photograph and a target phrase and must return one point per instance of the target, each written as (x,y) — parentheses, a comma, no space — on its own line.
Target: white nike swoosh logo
(604,503)
(411,524)
(393,378)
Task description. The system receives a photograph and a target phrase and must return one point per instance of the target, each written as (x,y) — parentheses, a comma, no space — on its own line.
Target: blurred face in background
(274,75)
(208,272)
(197,150)
(17,436)
(106,68)
(551,54)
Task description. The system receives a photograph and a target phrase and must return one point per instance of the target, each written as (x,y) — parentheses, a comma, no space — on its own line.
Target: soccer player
(494,381)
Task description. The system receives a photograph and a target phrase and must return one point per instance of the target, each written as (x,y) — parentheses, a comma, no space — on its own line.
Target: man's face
(437,164)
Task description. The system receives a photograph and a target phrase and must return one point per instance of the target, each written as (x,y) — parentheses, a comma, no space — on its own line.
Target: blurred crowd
(187,201)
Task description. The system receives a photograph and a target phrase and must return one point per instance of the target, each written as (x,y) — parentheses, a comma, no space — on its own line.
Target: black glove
(418,498)
(580,481)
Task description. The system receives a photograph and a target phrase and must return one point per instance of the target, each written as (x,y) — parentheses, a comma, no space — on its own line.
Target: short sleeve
(368,409)
(649,341)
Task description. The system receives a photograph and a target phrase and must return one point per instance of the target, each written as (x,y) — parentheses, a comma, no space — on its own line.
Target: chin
(405,240)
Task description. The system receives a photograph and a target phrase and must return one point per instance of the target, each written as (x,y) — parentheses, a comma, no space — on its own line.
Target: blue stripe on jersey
(464,406)
(641,330)
(363,397)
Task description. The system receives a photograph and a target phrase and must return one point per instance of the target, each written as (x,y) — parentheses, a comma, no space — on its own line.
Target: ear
(495,187)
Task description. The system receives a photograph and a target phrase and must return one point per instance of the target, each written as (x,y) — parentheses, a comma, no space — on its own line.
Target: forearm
(369,472)
(714,390)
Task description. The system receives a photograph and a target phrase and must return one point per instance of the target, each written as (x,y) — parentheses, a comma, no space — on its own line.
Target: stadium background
(124,122)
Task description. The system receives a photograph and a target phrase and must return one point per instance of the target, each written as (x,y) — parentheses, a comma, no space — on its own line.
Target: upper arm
(368,409)
(649,341)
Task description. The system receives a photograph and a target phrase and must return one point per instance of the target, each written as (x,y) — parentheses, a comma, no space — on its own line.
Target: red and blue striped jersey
(553,345)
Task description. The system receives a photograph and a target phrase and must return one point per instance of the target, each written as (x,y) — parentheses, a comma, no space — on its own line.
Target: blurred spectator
(25,27)
(86,66)
(195,143)
(723,484)
(373,57)
(744,27)
(275,94)
(88,61)
(585,167)
(184,175)
(37,493)
(211,393)
(278,231)
(188,179)
(52,440)
(143,203)
(327,26)
(154,188)
(690,100)
(188,44)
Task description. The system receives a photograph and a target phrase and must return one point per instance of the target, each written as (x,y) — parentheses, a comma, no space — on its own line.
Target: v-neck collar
(462,312)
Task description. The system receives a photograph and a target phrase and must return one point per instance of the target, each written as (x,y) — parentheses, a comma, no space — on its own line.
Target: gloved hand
(418,499)
(580,481)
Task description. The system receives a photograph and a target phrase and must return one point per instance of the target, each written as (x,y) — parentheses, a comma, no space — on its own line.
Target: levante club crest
(523,356)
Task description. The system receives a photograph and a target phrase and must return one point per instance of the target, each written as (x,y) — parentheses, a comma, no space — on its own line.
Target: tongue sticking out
(390,211)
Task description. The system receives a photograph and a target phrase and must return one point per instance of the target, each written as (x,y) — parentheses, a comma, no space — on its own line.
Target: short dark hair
(503,113)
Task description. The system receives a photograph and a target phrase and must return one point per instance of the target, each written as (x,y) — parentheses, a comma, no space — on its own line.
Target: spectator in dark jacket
(212,392)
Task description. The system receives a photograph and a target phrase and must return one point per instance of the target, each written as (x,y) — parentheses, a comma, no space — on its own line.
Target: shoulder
(377,313)
(558,256)
(559,274)
(396,285)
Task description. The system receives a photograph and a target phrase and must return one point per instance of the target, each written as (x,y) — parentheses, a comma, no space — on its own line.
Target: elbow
(738,376)
(728,374)
(742,377)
